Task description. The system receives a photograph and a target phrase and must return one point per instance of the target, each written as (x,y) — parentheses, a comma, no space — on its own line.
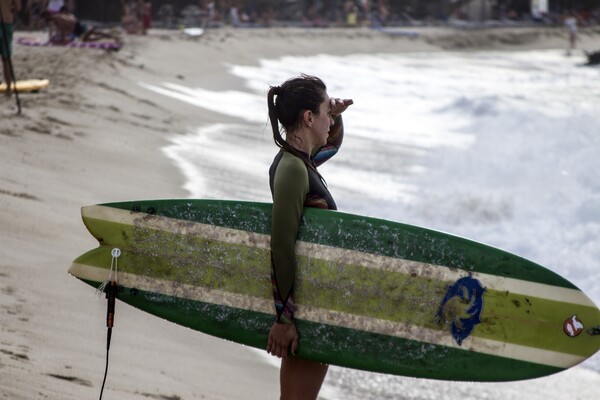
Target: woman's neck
(300,142)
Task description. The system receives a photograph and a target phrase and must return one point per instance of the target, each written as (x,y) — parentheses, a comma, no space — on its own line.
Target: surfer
(313,129)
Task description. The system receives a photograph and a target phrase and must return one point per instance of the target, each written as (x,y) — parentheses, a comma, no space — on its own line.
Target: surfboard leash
(110,288)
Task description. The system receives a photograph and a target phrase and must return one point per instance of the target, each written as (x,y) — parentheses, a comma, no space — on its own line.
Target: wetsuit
(295,184)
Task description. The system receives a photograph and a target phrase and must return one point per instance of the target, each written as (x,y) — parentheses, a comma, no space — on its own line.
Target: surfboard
(28,85)
(371,294)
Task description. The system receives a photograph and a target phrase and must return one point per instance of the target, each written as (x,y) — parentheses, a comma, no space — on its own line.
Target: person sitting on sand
(64,28)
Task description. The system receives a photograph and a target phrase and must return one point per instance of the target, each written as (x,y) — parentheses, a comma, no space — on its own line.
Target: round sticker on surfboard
(573,326)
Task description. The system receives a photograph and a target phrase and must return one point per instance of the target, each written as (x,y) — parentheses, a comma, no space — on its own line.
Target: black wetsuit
(295,184)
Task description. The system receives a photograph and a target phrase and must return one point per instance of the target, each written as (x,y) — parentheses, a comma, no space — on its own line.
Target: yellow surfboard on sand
(29,85)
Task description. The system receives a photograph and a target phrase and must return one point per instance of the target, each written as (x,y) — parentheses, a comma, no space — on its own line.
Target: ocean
(499,147)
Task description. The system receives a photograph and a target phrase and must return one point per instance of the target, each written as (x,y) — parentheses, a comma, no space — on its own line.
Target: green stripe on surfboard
(350,277)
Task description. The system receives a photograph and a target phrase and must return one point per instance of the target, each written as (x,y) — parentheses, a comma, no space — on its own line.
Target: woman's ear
(307,117)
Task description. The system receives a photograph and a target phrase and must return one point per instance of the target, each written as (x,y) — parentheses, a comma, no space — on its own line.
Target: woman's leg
(301,379)
(8,79)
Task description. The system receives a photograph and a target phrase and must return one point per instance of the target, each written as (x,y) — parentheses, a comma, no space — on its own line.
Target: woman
(313,132)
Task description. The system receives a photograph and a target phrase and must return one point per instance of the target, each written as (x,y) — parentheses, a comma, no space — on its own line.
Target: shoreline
(95,135)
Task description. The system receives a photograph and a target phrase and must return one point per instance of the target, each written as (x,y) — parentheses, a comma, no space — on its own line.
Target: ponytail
(279,141)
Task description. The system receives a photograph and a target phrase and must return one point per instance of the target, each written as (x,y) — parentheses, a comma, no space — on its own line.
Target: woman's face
(322,122)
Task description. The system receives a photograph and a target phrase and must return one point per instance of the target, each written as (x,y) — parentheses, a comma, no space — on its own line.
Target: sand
(95,135)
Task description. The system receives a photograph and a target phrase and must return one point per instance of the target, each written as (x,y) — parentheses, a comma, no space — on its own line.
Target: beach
(96,135)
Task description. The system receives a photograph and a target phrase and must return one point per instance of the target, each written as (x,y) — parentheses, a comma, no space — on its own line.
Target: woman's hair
(288,102)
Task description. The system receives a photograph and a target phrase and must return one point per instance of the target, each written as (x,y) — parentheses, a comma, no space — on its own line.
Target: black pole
(10,66)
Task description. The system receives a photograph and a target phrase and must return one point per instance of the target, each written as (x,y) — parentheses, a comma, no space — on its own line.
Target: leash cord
(111,295)
(106,368)
(111,289)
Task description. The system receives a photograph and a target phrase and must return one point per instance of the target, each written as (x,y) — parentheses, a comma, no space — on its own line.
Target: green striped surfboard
(371,294)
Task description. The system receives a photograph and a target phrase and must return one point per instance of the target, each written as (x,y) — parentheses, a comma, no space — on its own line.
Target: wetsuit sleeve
(334,142)
(290,188)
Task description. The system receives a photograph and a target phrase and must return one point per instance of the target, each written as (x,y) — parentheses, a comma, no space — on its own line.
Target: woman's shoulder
(287,171)
(291,164)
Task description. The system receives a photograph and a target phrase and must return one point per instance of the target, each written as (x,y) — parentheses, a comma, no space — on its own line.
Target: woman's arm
(290,187)
(336,132)
(334,142)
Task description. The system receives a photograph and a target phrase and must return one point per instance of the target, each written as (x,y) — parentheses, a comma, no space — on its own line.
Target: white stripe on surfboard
(336,254)
(331,317)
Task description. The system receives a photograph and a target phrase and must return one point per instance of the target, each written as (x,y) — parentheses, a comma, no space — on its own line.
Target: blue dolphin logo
(468,290)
